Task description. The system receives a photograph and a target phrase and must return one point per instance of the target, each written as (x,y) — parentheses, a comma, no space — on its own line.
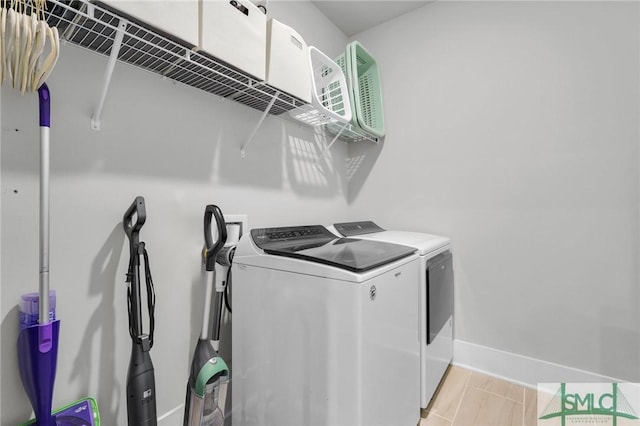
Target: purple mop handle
(45,330)
(45,105)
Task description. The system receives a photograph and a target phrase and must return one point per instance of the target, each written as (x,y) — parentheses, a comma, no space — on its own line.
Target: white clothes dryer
(436,296)
(324,330)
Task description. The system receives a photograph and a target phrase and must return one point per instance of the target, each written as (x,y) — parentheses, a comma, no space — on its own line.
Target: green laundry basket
(365,89)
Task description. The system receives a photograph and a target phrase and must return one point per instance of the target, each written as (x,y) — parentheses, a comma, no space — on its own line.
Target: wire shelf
(94,26)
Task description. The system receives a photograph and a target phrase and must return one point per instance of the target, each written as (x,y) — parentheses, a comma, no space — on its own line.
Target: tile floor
(468,398)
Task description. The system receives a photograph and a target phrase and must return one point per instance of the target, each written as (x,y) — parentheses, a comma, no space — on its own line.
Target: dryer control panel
(351,229)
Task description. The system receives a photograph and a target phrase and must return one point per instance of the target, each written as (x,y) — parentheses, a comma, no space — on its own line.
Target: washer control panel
(268,237)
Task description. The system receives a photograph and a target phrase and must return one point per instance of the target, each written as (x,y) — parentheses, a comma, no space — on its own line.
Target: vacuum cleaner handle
(211,249)
(136,209)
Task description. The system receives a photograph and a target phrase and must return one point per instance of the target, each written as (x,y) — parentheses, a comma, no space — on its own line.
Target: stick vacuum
(141,388)
(207,385)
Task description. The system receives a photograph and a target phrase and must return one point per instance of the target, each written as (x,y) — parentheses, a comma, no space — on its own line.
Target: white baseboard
(520,369)
(172,417)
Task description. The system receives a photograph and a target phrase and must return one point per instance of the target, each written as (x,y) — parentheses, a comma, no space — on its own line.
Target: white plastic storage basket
(288,61)
(330,101)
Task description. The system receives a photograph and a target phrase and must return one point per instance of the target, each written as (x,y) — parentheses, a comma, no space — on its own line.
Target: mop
(38,338)
(23,37)
(209,378)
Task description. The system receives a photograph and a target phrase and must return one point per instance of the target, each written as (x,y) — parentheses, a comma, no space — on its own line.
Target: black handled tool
(141,388)
(209,377)
(212,249)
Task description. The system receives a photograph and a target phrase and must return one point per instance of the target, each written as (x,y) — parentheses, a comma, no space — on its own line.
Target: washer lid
(317,244)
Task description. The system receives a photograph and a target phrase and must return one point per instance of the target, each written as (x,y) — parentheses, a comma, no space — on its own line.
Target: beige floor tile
(433,420)
(447,397)
(497,386)
(530,407)
(480,408)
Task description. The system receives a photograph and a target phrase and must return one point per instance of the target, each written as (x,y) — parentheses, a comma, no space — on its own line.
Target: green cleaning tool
(209,378)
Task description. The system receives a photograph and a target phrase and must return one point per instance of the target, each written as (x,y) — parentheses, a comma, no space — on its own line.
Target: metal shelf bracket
(255,129)
(113,57)
(328,147)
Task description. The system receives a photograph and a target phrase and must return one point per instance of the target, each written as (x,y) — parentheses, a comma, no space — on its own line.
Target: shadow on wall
(103,282)
(150,127)
(291,160)
(281,153)
(14,399)
(173,132)
(261,165)
(162,139)
(309,166)
(101,323)
(359,162)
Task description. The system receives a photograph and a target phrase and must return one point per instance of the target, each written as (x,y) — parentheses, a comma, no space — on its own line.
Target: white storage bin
(288,61)
(236,33)
(178,18)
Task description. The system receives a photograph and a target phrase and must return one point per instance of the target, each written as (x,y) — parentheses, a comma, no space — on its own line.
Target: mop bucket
(37,357)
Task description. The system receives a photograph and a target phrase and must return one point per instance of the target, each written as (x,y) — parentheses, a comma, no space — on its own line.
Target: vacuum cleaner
(141,388)
(209,378)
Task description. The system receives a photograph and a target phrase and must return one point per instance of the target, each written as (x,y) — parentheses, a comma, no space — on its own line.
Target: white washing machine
(436,296)
(324,330)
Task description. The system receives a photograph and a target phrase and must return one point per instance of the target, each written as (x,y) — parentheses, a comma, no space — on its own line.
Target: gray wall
(180,149)
(513,128)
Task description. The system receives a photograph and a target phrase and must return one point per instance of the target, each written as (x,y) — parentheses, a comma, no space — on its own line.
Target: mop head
(83,412)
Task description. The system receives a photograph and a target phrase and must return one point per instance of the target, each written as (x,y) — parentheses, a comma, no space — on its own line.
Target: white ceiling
(354,16)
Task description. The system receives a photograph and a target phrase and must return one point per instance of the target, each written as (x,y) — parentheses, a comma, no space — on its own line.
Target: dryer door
(439,293)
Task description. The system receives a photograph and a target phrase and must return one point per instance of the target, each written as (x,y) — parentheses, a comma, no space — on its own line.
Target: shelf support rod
(324,151)
(255,129)
(113,57)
